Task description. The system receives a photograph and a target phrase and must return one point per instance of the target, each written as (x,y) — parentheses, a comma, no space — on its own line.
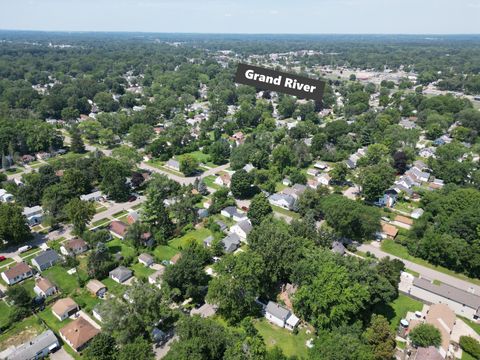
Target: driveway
(161,351)
(61,354)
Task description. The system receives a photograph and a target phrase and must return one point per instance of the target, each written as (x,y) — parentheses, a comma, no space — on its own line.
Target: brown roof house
(64,308)
(443,318)
(118,228)
(44,288)
(388,231)
(96,287)
(74,247)
(17,273)
(403,222)
(78,333)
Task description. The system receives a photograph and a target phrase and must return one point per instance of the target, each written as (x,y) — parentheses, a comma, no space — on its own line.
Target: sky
(245,16)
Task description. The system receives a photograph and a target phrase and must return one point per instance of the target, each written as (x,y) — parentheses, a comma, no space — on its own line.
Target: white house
(280,316)
(5,196)
(33,214)
(44,288)
(17,273)
(242,229)
(94,196)
(173,164)
(284,201)
(146,259)
(324,179)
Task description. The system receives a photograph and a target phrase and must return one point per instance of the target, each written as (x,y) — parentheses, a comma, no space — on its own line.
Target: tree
(375,179)
(139,349)
(242,184)
(54,199)
(283,157)
(425,335)
(105,102)
(79,213)
(76,141)
(219,151)
(470,346)
(113,173)
(140,134)
(188,165)
(259,209)
(102,347)
(127,155)
(220,200)
(237,285)
(340,344)
(339,172)
(154,212)
(188,274)
(134,235)
(381,338)
(19,296)
(13,225)
(400,162)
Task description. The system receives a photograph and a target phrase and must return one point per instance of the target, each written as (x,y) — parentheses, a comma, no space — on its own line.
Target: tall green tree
(259,209)
(13,226)
(381,338)
(79,213)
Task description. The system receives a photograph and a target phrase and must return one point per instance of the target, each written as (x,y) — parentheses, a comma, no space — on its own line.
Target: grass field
(59,276)
(289,343)
(200,157)
(141,271)
(120,214)
(393,248)
(164,252)
(4,313)
(20,332)
(117,245)
(113,287)
(51,320)
(280,210)
(101,222)
(210,182)
(197,235)
(85,299)
(28,253)
(396,310)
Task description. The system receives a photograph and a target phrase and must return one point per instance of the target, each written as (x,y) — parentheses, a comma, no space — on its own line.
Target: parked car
(2,258)
(24,248)
(132,198)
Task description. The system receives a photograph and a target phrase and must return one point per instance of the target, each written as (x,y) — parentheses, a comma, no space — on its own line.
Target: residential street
(424,272)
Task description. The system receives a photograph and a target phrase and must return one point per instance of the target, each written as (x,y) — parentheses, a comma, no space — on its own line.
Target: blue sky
(245,16)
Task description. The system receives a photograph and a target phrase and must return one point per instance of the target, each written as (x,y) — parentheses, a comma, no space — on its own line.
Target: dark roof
(231,243)
(31,348)
(17,270)
(47,257)
(449,292)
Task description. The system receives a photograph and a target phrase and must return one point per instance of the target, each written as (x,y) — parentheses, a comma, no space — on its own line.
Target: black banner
(266,79)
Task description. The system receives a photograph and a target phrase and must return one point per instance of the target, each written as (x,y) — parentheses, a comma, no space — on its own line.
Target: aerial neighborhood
(151,207)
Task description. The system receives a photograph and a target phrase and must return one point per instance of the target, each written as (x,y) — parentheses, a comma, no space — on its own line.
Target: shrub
(426,335)
(470,345)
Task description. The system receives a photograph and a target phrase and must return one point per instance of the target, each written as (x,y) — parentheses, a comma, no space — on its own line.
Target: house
(120,274)
(156,277)
(407,124)
(27,159)
(74,247)
(132,217)
(223,180)
(233,213)
(94,196)
(428,152)
(388,231)
(222,225)
(5,196)
(248,168)
(175,258)
(388,199)
(242,229)
(99,312)
(280,316)
(286,182)
(202,213)
(78,333)
(338,248)
(17,273)
(313,183)
(65,308)
(158,335)
(299,189)
(462,302)
(37,348)
(118,228)
(324,179)
(231,243)
(443,318)
(96,287)
(238,137)
(46,259)
(204,311)
(403,222)
(207,203)
(429,353)
(312,172)
(44,288)
(417,213)
(208,241)
(33,214)
(284,201)
(320,166)
(417,174)
(173,164)
(146,259)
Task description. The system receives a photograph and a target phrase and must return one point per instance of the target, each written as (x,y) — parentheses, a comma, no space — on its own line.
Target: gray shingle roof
(47,257)
(449,292)
(29,349)
(121,273)
(278,311)
(231,243)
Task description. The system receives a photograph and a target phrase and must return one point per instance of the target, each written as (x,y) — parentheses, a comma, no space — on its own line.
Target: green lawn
(397,310)
(141,271)
(21,332)
(29,252)
(51,320)
(405,206)
(396,249)
(59,276)
(467,356)
(101,222)
(164,252)
(117,245)
(4,312)
(120,214)
(7,262)
(289,343)
(113,287)
(28,285)
(280,210)
(474,325)
(85,299)
(196,235)
(209,181)
(200,157)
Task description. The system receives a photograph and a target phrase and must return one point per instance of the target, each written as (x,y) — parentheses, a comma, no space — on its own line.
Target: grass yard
(120,214)
(100,208)
(101,222)
(467,356)
(282,211)
(164,252)
(117,245)
(210,182)
(85,299)
(395,249)
(4,313)
(113,287)
(405,206)
(396,310)
(59,276)
(28,285)
(21,332)
(200,157)
(7,262)
(289,343)
(28,253)
(141,271)
(197,236)
(51,320)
